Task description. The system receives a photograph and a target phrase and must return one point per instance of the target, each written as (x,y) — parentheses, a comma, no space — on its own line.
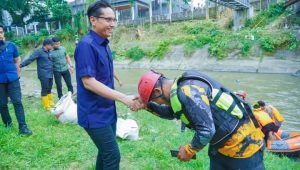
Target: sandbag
(127,129)
(65,109)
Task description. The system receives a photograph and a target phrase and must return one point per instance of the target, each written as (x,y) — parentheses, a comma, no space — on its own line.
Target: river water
(280,90)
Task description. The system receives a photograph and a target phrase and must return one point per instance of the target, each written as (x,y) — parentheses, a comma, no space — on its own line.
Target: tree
(18,9)
(60,10)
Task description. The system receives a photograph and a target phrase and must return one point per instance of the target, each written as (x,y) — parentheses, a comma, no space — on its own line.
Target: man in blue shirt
(10,84)
(96,96)
(44,70)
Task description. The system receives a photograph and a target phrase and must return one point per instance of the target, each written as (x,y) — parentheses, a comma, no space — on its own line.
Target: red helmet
(242,94)
(146,84)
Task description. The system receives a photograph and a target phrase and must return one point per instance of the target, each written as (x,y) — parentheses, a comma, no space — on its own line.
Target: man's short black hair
(55,39)
(47,42)
(1,26)
(95,8)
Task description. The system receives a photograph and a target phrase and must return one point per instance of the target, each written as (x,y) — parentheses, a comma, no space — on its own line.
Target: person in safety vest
(268,116)
(218,117)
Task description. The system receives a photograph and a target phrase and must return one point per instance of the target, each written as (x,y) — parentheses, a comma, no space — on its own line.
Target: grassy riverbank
(66,146)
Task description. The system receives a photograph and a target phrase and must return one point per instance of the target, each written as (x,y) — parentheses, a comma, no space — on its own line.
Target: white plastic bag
(65,109)
(127,129)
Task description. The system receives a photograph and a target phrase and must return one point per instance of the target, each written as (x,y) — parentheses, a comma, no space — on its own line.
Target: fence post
(170,10)
(150,13)
(25,27)
(17,31)
(59,25)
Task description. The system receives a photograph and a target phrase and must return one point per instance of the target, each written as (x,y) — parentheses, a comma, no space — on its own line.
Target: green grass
(66,146)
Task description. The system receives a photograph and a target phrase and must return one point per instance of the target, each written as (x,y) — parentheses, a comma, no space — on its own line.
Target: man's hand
(71,69)
(186,153)
(18,69)
(133,103)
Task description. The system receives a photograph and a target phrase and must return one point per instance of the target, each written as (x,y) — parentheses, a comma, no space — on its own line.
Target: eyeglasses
(107,19)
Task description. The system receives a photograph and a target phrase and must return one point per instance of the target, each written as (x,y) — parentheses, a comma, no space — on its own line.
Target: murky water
(280,90)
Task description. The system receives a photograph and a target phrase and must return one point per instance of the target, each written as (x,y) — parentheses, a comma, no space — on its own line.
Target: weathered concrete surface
(281,62)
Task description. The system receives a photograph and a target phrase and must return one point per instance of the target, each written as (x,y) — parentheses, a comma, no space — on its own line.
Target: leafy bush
(161,51)
(30,40)
(194,30)
(135,53)
(161,29)
(68,33)
(267,16)
(271,41)
(43,32)
(9,35)
(197,42)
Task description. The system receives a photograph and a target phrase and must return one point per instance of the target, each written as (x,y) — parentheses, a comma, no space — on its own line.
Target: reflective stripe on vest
(222,100)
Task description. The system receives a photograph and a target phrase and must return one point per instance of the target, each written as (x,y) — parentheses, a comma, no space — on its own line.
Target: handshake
(133,102)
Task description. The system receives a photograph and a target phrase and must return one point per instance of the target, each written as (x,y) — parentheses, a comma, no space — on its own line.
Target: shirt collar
(44,49)
(98,38)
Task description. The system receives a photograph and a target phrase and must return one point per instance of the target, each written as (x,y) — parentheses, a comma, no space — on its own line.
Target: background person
(10,84)
(62,66)
(44,71)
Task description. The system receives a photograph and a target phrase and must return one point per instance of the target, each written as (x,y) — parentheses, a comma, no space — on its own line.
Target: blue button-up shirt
(8,70)
(44,63)
(93,58)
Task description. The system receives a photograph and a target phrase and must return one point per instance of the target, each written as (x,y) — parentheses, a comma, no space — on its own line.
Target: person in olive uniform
(62,66)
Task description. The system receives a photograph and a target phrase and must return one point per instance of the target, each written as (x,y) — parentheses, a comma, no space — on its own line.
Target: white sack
(127,129)
(65,109)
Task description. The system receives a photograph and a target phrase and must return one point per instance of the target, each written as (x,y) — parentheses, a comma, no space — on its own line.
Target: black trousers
(221,162)
(67,77)
(104,138)
(13,91)
(46,84)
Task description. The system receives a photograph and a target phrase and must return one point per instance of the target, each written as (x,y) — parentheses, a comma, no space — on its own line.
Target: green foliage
(161,51)
(30,40)
(267,16)
(135,53)
(43,32)
(60,10)
(18,9)
(246,46)
(161,29)
(9,35)
(276,40)
(197,42)
(67,34)
(54,145)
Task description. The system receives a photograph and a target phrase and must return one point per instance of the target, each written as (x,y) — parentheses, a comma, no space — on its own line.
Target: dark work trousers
(46,84)
(220,162)
(13,91)
(67,77)
(108,157)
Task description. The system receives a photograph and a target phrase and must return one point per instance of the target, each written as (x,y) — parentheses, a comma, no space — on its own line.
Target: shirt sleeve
(85,59)
(30,59)
(198,112)
(16,52)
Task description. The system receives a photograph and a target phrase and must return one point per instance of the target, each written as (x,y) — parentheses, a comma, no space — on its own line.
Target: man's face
(56,45)
(156,96)
(104,24)
(49,47)
(1,34)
